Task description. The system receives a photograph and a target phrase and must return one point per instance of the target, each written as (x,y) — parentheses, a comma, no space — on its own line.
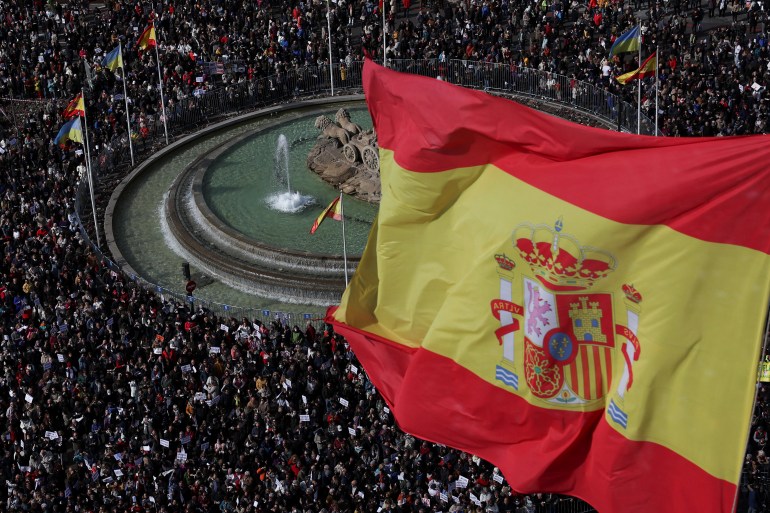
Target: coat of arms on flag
(569,345)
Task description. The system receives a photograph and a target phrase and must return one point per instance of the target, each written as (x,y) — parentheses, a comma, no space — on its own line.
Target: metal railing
(191,113)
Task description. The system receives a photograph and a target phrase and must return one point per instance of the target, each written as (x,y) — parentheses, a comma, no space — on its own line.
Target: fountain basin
(248,264)
(263,259)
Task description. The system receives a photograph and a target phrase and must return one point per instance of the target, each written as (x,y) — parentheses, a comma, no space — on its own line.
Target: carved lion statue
(342,117)
(331,130)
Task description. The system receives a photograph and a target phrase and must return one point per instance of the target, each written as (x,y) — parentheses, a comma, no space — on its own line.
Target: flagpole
(125,98)
(657,63)
(329,27)
(160,86)
(344,246)
(639,86)
(88,170)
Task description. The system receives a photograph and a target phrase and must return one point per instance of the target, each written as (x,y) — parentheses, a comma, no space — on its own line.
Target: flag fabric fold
(647,69)
(574,305)
(333,211)
(629,41)
(147,38)
(76,107)
(113,60)
(70,131)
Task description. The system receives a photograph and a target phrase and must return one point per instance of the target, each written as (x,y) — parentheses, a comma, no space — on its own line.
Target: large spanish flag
(582,308)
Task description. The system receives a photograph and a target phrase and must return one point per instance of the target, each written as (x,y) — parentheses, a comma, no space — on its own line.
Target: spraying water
(287,201)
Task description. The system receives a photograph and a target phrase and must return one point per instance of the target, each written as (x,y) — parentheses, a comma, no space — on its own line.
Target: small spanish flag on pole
(147,39)
(647,69)
(75,108)
(334,211)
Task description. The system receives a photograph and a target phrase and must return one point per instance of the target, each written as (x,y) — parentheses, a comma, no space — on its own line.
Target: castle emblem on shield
(561,335)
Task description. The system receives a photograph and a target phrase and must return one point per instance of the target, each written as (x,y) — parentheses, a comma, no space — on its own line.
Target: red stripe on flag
(581,455)
(634,180)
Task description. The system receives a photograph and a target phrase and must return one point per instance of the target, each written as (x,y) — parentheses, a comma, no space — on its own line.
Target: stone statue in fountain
(347,157)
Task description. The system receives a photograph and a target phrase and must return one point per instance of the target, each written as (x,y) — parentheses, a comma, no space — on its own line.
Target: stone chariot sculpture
(347,156)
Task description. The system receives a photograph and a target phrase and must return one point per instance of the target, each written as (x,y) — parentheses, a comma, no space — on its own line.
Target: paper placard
(60,357)
(304,418)
(186,368)
(287,382)
(352,431)
(118,456)
(473,497)
(146,448)
(51,435)
(360,494)
(181,456)
(185,440)
(497,478)
(164,443)
(28,398)
(443,497)
(224,328)
(354,369)
(157,350)
(215,350)
(118,472)
(344,402)
(304,400)
(462,482)
(200,396)
(386,409)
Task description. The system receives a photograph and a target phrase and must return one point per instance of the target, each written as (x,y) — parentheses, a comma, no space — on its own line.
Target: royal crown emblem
(558,261)
(557,330)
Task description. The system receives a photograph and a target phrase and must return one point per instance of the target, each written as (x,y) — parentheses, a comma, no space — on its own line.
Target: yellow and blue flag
(71,131)
(630,41)
(114,59)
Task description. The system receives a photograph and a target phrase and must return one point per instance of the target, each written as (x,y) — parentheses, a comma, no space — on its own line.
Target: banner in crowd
(580,307)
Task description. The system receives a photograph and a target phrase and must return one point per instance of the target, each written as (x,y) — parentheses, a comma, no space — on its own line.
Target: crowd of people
(114,399)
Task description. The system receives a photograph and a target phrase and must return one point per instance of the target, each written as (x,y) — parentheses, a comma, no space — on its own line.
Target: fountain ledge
(238,259)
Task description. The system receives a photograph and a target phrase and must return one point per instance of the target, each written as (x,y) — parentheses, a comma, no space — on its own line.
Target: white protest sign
(28,398)
(304,418)
(164,443)
(344,402)
(462,482)
(352,431)
(497,478)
